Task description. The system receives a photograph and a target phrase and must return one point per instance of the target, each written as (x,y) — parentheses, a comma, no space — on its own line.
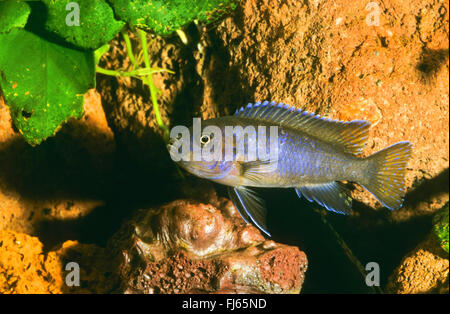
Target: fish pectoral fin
(334,196)
(250,206)
(256,170)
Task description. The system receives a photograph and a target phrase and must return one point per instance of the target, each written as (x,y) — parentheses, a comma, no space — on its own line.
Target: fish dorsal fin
(351,136)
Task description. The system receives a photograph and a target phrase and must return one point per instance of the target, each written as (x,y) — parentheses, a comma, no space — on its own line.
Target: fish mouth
(185,160)
(171,144)
(171,141)
(173,151)
(198,168)
(174,146)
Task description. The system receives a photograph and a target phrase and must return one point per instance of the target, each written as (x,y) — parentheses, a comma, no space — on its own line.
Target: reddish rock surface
(191,247)
(325,57)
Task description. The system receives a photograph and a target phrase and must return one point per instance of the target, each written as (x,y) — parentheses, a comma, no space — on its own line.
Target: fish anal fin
(334,196)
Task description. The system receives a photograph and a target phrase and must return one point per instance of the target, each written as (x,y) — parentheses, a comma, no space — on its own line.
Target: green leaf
(166,16)
(97,24)
(13,14)
(43,83)
(440,221)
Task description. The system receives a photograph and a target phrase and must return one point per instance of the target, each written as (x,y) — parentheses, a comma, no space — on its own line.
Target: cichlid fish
(314,155)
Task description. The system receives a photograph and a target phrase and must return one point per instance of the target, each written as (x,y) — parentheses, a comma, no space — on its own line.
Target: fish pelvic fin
(386,174)
(334,196)
(250,206)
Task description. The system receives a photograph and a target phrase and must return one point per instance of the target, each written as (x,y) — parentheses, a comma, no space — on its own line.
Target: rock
(325,57)
(96,270)
(424,270)
(321,56)
(318,55)
(61,179)
(190,247)
(128,104)
(93,131)
(26,268)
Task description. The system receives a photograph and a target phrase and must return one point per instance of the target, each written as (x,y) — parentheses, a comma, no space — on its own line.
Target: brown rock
(96,272)
(59,179)
(320,56)
(26,268)
(324,57)
(189,247)
(128,104)
(424,270)
(92,129)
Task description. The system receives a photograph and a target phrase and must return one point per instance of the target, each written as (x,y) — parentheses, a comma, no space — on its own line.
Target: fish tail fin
(386,174)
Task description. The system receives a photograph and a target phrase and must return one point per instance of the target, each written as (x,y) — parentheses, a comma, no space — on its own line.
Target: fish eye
(205,139)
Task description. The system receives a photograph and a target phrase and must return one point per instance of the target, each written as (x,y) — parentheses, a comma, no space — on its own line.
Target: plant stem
(347,251)
(182,36)
(113,72)
(153,90)
(135,73)
(129,48)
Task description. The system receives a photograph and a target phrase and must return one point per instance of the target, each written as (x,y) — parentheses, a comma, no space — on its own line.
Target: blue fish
(314,155)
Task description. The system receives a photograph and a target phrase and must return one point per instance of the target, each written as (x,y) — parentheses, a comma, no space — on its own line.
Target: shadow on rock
(431,62)
(428,188)
(76,185)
